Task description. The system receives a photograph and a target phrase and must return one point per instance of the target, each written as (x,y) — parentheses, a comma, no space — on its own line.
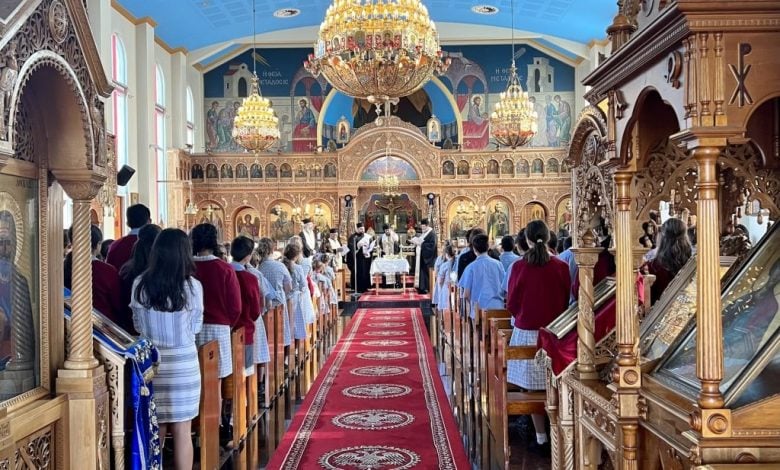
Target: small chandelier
(255,127)
(514,121)
(389,184)
(377,49)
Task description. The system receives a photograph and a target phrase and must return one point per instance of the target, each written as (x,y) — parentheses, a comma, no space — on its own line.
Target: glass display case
(673,311)
(567,321)
(751,329)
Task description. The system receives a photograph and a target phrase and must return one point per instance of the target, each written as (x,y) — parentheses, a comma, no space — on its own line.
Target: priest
(309,237)
(388,242)
(358,263)
(333,246)
(425,255)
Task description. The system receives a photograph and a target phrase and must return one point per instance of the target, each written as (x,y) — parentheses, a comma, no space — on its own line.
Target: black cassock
(428,253)
(359,265)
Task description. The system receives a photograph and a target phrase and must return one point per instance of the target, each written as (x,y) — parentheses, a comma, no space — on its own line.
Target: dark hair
(104,248)
(170,265)
(675,248)
(474,232)
(521,240)
(567,243)
(539,234)
(654,216)
(241,247)
(65,238)
(507,243)
(479,243)
(204,237)
(291,252)
(493,253)
(141,252)
(692,235)
(265,246)
(552,243)
(95,237)
(137,215)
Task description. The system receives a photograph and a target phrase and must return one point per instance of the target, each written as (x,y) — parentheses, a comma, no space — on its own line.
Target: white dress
(177,382)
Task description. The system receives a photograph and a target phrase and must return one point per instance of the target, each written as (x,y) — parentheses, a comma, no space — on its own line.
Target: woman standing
(167,306)
(279,278)
(222,294)
(537,292)
(136,265)
(674,250)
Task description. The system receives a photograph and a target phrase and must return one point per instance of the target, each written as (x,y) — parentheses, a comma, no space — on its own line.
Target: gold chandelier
(389,184)
(377,49)
(514,121)
(255,127)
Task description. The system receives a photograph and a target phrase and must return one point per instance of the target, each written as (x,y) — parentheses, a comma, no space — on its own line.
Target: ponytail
(539,234)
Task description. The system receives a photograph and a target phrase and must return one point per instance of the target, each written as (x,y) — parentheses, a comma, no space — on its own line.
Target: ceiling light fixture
(255,127)
(377,50)
(485,9)
(514,121)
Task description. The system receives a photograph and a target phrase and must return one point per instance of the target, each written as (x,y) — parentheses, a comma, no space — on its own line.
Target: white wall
(143,53)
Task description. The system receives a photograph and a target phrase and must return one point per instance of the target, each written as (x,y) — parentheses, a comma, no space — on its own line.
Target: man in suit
(426,253)
(121,250)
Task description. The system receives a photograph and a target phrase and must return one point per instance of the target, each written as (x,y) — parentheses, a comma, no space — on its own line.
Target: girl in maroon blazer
(537,292)
(105,280)
(221,295)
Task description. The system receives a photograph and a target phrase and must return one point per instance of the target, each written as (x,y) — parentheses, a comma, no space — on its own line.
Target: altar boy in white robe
(334,247)
(425,256)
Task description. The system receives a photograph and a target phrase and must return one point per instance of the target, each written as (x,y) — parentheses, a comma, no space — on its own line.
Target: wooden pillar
(587,256)
(713,421)
(83,379)
(628,373)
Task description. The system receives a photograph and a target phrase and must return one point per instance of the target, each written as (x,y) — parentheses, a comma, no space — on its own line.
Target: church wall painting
(212,213)
(321,214)
(280,223)
(19,285)
(462,214)
(389,166)
(563,215)
(470,89)
(499,218)
(533,211)
(247,222)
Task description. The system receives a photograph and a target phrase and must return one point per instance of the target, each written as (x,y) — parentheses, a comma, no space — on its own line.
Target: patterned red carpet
(377,404)
(393,297)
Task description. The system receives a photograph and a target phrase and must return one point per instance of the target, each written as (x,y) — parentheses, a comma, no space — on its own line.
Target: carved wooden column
(628,376)
(587,256)
(714,421)
(83,379)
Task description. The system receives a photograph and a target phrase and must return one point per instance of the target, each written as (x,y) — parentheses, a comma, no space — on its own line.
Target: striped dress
(306,303)
(279,277)
(177,382)
(299,292)
(262,354)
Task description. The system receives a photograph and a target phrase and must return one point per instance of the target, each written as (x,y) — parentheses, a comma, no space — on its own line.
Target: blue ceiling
(198,23)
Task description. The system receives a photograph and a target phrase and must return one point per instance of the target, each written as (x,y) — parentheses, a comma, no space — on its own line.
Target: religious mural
(498,218)
(389,166)
(213,214)
(247,222)
(563,215)
(462,214)
(469,90)
(399,212)
(533,211)
(19,289)
(280,223)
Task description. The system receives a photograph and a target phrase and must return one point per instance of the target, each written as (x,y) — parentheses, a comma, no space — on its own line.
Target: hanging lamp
(255,127)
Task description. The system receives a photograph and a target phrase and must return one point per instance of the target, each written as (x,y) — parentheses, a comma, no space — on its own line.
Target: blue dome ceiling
(195,24)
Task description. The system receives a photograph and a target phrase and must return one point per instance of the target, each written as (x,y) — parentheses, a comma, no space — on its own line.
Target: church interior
(389,234)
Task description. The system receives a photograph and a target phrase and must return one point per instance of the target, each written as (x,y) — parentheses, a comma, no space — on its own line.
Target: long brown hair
(537,232)
(291,253)
(674,249)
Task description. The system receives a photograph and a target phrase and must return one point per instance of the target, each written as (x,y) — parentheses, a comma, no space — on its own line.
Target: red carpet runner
(377,404)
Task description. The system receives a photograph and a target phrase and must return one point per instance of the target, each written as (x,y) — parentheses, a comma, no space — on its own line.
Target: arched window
(119,98)
(160,144)
(190,131)
(243,89)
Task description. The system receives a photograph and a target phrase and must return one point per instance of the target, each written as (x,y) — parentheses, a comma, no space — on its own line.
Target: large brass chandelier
(377,49)
(514,121)
(255,127)
(389,183)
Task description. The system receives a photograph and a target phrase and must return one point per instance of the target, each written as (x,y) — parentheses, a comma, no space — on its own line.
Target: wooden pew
(485,342)
(505,403)
(457,362)
(468,379)
(208,416)
(237,385)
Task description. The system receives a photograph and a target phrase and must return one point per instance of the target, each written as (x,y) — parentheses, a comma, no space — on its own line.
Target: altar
(389,266)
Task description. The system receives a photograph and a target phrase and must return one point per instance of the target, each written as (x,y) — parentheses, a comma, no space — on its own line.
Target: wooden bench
(504,402)
(208,415)
(484,343)
(234,386)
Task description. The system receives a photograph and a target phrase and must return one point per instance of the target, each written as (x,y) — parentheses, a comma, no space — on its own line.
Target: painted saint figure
(305,130)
